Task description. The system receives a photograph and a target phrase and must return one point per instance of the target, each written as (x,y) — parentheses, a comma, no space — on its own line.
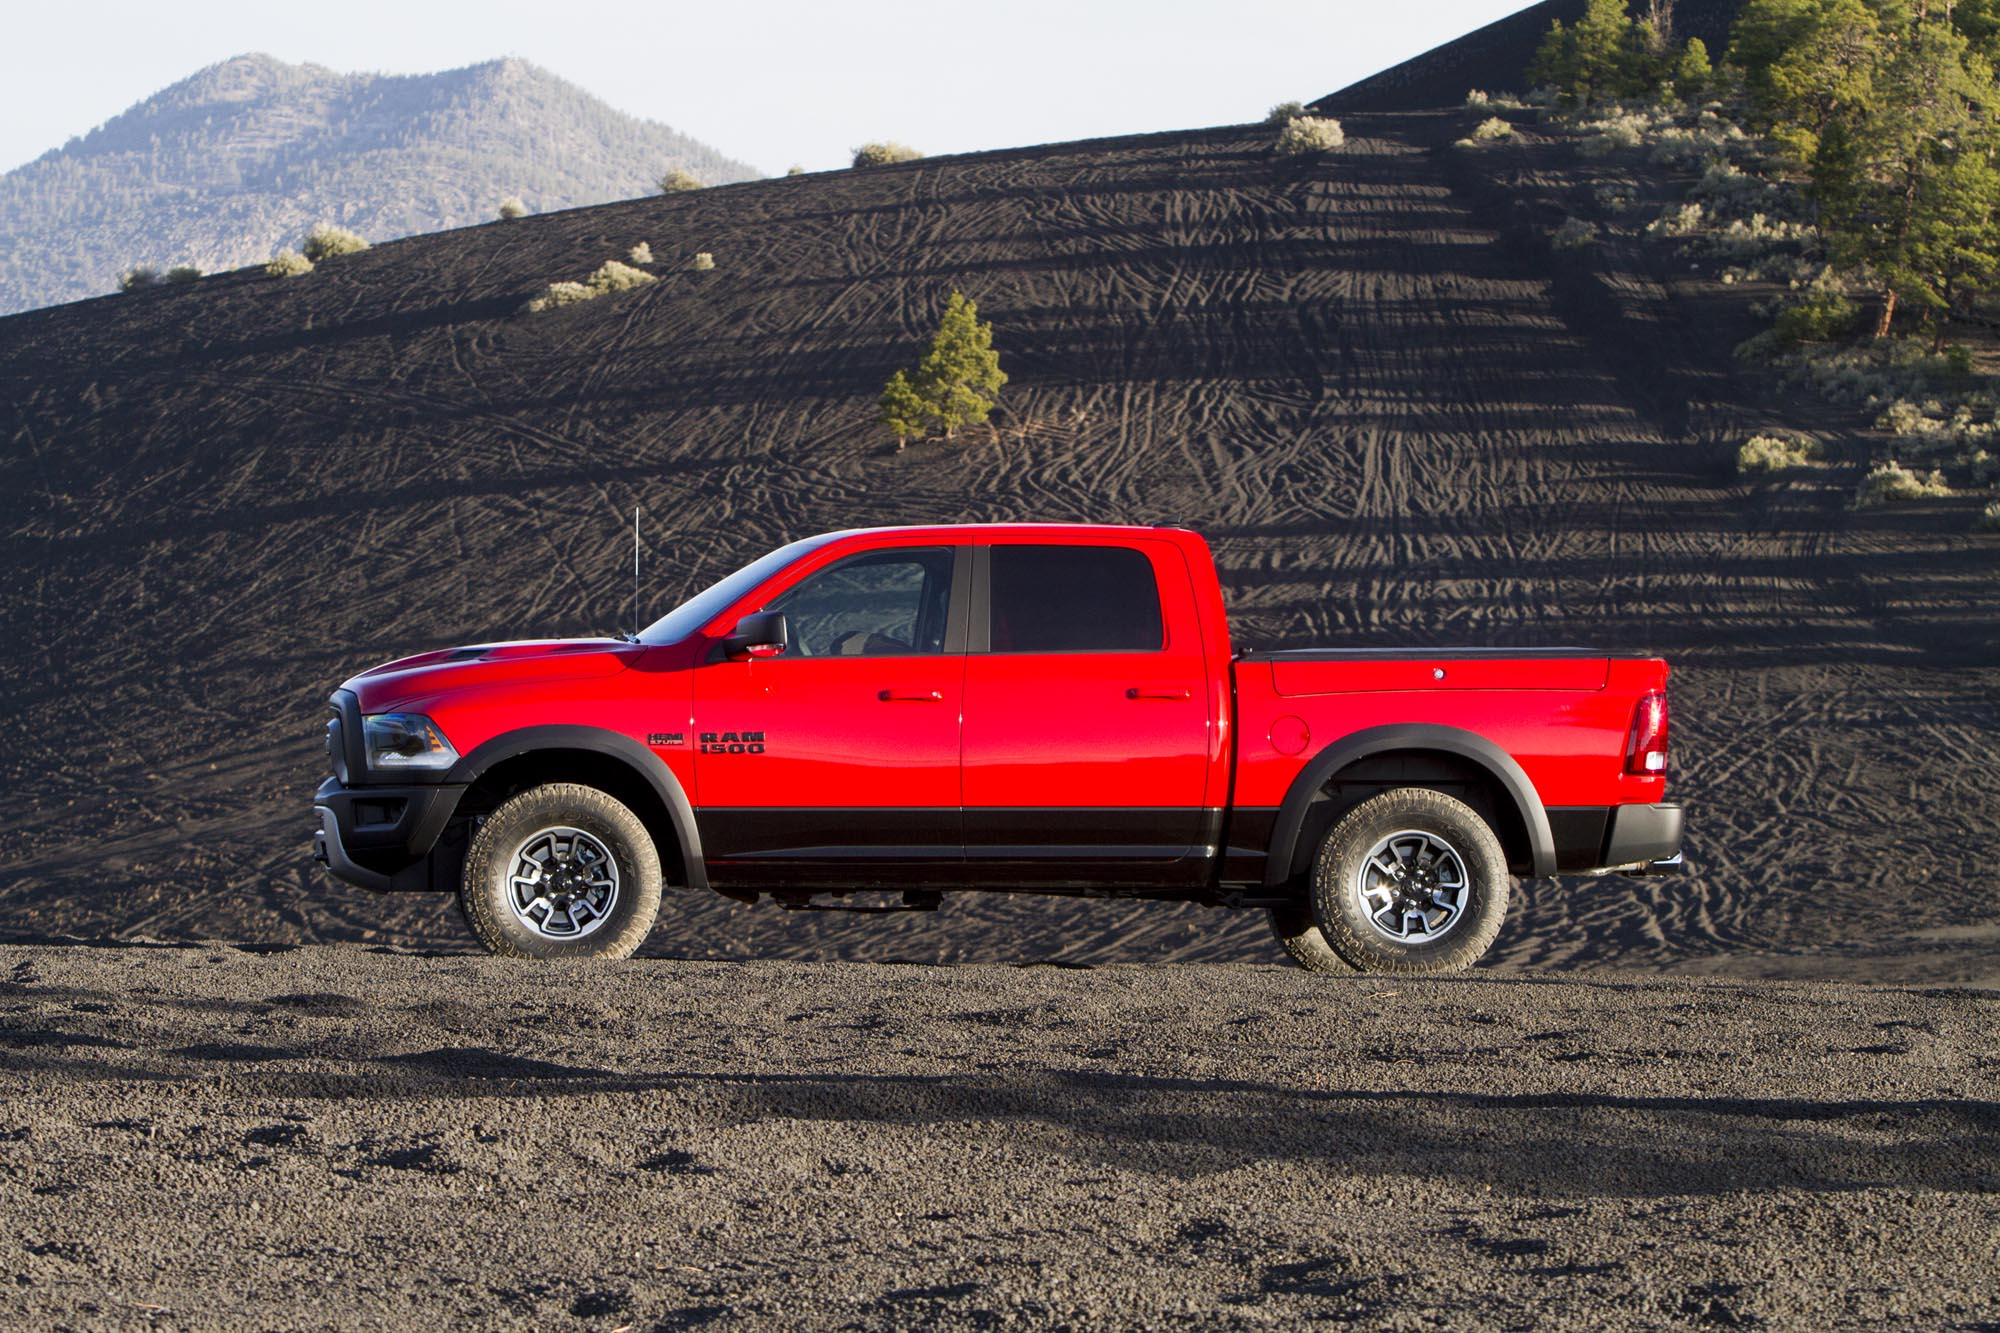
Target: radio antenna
(635,573)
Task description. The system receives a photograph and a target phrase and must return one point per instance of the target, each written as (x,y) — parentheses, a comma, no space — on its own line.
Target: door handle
(909,696)
(1139,692)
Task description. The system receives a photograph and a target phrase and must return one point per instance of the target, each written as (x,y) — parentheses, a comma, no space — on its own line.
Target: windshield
(705,605)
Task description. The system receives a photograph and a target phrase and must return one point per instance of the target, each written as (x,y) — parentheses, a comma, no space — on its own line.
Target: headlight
(406,743)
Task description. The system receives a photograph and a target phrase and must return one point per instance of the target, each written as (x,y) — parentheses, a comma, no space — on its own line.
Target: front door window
(886,604)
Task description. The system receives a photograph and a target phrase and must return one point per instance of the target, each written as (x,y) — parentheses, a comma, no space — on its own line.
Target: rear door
(837,762)
(1086,716)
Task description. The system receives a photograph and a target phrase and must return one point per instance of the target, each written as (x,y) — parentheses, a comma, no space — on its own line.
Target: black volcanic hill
(224,167)
(1494,58)
(1400,416)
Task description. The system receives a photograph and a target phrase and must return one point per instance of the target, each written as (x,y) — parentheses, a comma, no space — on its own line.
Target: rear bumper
(1645,840)
(381,838)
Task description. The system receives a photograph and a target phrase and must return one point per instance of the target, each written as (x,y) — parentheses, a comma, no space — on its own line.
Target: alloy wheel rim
(562,883)
(1413,887)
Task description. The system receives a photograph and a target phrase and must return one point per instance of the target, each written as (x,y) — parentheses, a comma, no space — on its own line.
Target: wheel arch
(1523,822)
(613,763)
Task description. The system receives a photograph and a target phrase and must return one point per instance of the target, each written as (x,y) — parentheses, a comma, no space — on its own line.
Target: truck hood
(393,684)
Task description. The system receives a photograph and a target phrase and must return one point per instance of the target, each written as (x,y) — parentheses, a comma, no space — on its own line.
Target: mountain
(223,168)
(1494,57)
(1401,415)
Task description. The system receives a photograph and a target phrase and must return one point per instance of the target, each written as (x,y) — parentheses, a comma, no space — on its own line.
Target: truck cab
(927,710)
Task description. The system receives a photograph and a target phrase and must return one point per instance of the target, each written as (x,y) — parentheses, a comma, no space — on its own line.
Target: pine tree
(1954,246)
(1644,63)
(960,375)
(1692,71)
(1552,65)
(1808,63)
(1979,20)
(1600,50)
(904,411)
(1906,182)
(1589,61)
(1611,54)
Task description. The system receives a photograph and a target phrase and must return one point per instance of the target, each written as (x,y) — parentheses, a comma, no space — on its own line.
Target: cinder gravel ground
(201,1136)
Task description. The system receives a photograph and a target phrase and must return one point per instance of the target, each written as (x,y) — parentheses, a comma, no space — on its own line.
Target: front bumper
(382,838)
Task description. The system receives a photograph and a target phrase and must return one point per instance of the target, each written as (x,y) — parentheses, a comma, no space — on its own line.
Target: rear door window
(1073,599)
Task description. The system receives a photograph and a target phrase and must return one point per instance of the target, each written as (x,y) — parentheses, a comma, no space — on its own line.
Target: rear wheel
(1412,880)
(561,871)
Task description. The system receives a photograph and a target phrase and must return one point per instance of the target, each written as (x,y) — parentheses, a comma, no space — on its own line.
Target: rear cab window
(1073,599)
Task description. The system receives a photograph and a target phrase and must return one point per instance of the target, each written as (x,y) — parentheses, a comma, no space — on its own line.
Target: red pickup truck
(1028,707)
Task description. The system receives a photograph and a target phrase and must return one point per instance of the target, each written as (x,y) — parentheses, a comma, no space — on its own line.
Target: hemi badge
(666,738)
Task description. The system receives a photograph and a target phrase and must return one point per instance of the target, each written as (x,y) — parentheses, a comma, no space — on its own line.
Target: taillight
(1646,750)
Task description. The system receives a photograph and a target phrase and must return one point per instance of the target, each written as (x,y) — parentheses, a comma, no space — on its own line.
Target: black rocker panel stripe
(982,848)
(769,833)
(1093,832)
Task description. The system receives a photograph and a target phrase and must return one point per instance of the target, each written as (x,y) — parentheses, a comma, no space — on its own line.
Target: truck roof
(961,531)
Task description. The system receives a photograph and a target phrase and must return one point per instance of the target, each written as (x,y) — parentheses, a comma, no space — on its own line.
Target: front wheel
(561,871)
(1412,880)
(1299,936)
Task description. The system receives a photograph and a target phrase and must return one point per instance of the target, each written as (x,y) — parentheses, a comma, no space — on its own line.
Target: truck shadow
(1525,1143)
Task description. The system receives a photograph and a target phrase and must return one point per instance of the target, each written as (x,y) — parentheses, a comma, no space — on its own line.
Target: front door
(836,763)
(1086,718)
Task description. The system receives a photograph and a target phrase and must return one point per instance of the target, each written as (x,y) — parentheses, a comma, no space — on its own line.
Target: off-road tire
(483,895)
(1299,936)
(1337,905)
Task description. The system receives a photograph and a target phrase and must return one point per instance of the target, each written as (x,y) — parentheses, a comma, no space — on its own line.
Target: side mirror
(765,634)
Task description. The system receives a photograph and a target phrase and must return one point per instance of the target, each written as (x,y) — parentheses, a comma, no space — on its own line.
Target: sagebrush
(288,263)
(1776,453)
(1310,134)
(884,153)
(1893,481)
(612,276)
(563,293)
(1574,234)
(609,278)
(327,241)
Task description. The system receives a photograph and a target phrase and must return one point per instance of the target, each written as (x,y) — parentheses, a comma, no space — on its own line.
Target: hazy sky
(772,82)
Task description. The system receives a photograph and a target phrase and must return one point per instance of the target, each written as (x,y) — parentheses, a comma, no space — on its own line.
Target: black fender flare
(1499,765)
(613,745)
